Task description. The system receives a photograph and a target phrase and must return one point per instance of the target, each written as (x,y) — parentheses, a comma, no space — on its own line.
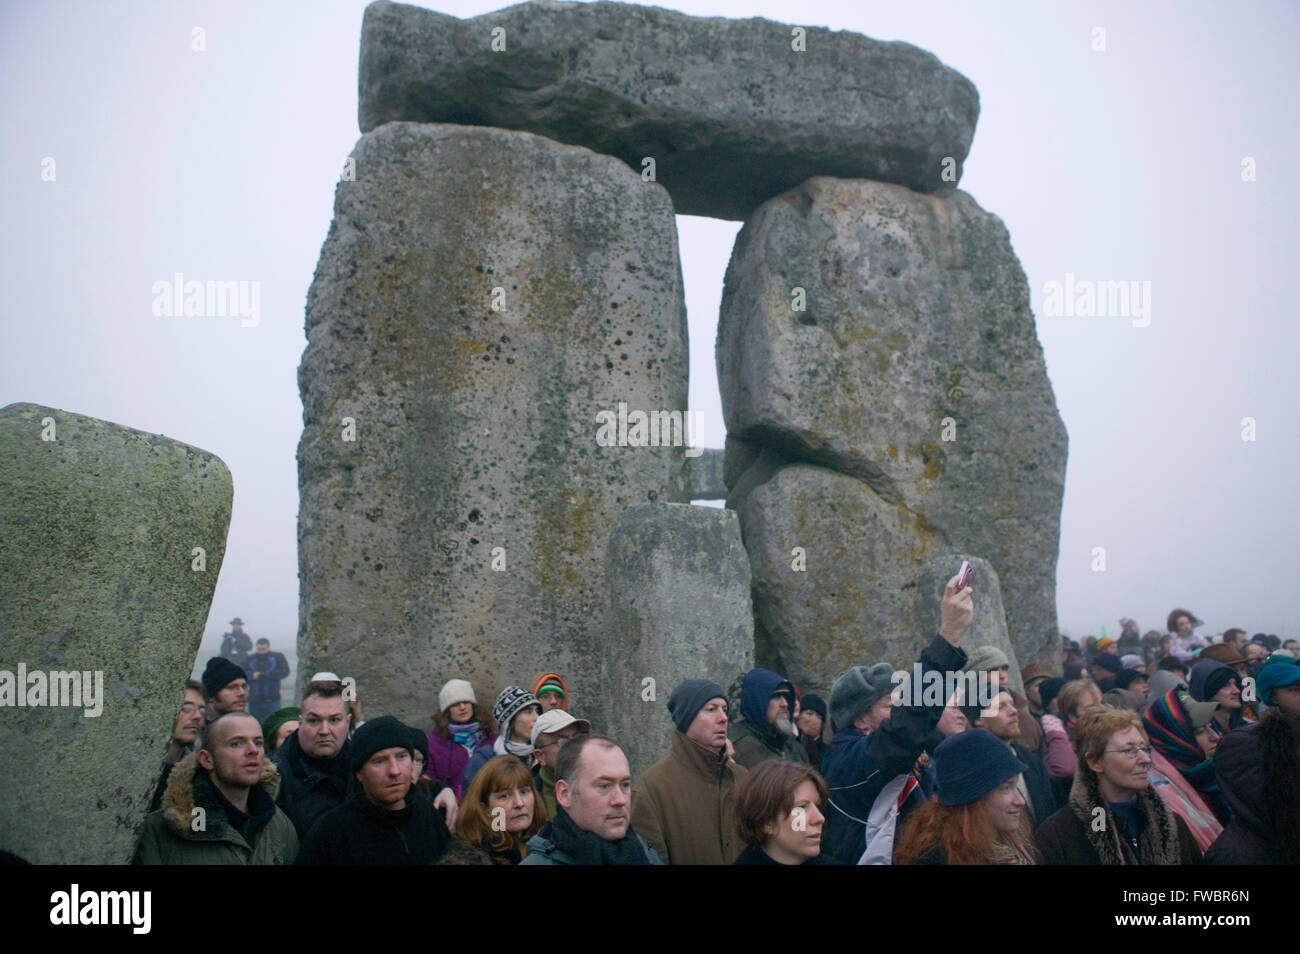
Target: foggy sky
(1122,164)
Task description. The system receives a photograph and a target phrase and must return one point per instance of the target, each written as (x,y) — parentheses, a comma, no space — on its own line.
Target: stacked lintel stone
(502,268)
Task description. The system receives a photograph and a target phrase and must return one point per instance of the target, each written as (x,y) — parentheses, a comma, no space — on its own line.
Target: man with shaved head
(219,807)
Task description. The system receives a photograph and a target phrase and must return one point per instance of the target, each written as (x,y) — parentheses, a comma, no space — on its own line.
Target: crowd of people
(1156,749)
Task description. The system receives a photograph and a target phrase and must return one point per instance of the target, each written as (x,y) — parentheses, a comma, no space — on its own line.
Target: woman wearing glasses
(1113,817)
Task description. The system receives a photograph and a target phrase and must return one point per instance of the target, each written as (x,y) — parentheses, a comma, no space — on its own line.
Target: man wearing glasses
(188,723)
(551,730)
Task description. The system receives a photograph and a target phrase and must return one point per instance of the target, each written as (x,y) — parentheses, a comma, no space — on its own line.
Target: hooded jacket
(684,805)
(752,738)
(1079,834)
(192,827)
(1246,764)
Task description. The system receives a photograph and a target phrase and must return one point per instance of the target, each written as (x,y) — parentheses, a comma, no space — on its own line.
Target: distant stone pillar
(111,540)
(678,591)
(490,312)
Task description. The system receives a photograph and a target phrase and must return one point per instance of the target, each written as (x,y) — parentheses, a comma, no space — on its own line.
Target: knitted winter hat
(512,701)
(1207,678)
(219,673)
(984,658)
(689,698)
(419,743)
(1277,673)
(856,691)
(812,703)
(386,732)
(971,764)
(551,682)
(1130,661)
(456,690)
(1049,690)
(1104,642)
(271,724)
(1107,662)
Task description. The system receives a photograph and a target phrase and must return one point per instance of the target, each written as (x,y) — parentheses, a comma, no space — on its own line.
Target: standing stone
(732,112)
(678,581)
(834,567)
(101,581)
(483,299)
(988,626)
(887,335)
(705,473)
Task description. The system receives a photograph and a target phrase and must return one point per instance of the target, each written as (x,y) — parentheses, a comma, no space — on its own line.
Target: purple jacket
(447,761)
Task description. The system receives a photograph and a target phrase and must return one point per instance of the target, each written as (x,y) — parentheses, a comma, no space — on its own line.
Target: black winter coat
(311,787)
(360,832)
(1038,784)
(1244,762)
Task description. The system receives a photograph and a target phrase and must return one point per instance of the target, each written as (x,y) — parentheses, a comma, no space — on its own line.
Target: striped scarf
(1009,849)
(1170,729)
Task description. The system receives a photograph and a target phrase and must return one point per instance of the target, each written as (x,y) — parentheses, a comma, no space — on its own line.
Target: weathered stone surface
(988,626)
(852,602)
(98,525)
(705,473)
(731,113)
(476,430)
(913,365)
(679,608)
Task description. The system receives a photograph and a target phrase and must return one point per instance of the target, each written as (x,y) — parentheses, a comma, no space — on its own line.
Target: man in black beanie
(381,824)
(811,724)
(225,686)
(684,804)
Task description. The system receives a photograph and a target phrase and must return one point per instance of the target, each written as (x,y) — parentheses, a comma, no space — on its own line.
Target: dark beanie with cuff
(386,732)
(689,698)
(219,673)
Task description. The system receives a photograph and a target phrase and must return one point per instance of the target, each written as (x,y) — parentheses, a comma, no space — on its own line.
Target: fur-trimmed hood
(1159,841)
(188,788)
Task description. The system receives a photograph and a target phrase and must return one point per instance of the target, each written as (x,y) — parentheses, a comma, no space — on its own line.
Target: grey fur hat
(856,691)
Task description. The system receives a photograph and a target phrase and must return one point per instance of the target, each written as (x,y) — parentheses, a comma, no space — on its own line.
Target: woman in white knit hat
(459,728)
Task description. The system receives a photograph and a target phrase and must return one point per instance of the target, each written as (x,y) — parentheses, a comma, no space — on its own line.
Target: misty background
(1128,163)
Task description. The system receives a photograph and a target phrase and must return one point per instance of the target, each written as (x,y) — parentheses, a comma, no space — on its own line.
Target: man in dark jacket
(384,823)
(866,754)
(313,761)
(235,645)
(265,670)
(812,723)
(764,730)
(593,792)
(219,807)
(189,722)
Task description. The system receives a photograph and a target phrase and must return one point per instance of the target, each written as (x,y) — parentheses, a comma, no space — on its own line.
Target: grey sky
(1122,164)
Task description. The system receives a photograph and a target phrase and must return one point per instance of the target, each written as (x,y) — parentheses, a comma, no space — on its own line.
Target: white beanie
(456,690)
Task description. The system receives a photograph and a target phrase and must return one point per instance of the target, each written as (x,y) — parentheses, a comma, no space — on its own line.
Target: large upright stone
(101,580)
(834,568)
(482,297)
(679,608)
(887,335)
(732,111)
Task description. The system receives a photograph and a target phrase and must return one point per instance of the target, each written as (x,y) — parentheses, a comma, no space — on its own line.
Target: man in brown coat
(684,805)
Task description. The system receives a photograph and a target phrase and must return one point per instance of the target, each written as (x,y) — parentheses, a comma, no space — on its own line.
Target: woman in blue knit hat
(979,818)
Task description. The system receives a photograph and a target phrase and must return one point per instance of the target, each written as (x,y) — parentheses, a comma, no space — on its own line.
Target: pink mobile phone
(964,575)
